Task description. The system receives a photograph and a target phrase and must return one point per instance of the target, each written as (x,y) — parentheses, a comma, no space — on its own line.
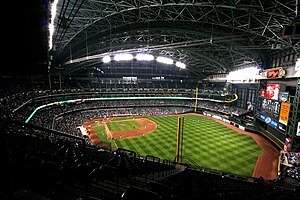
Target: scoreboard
(271,108)
(273,105)
(270,111)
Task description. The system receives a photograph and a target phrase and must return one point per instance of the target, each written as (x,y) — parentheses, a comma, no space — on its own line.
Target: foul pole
(196,100)
(179,139)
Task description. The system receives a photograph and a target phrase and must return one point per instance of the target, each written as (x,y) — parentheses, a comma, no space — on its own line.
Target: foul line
(107,130)
(115,143)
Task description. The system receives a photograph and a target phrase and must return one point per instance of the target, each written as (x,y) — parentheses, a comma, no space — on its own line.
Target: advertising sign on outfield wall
(226,120)
(241,127)
(282,127)
(217,117)
(269,121)
(284,113)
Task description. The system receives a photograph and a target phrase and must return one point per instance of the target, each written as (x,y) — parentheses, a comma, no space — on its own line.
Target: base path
(146,126)
(93,135)
(107,131)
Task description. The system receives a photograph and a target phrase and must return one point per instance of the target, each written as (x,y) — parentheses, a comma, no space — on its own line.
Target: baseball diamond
(151,99)
(211,143)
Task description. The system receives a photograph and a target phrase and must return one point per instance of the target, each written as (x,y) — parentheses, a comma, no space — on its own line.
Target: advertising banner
(269,121)
(282,127)
(273,73)
(284,113)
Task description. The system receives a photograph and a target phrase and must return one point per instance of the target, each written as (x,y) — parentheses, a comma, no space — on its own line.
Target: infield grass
(123,125)
(206,143)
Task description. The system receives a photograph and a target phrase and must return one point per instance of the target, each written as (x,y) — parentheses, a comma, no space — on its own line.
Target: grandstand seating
(47,159)
(55,165)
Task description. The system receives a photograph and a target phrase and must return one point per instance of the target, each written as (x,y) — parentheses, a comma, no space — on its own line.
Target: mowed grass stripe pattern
(205,141)
(126,125)
(100,131)
(216,146)
(160,143)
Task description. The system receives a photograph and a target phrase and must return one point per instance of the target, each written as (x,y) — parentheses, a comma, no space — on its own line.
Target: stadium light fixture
(51,24)
(297,65)
(121,57)
(243,74)
(146,57)
(180,65)
(106,59)
(164,60)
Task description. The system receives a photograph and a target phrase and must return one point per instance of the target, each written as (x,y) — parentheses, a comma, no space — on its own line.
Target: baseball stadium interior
(91,73)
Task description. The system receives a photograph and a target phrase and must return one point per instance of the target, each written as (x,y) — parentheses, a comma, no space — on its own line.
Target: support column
(294,118)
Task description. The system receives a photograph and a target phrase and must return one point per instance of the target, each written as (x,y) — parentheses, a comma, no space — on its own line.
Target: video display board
(272,91)
(269,112)
(271,108)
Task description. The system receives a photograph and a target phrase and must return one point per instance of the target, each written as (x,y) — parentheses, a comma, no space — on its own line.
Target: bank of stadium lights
(106,59)
(164,60)
(180,65)
(121,57)
(51,24)
(145,57)
(243,74)
(142,57)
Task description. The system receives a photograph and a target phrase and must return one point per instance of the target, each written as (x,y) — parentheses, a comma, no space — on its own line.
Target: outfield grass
(205,142)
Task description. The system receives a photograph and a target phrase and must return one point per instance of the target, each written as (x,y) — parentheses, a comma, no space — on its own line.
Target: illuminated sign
(272,91)
(270,108)
(282,127)
(269,121)
(273,73)
(284,113)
